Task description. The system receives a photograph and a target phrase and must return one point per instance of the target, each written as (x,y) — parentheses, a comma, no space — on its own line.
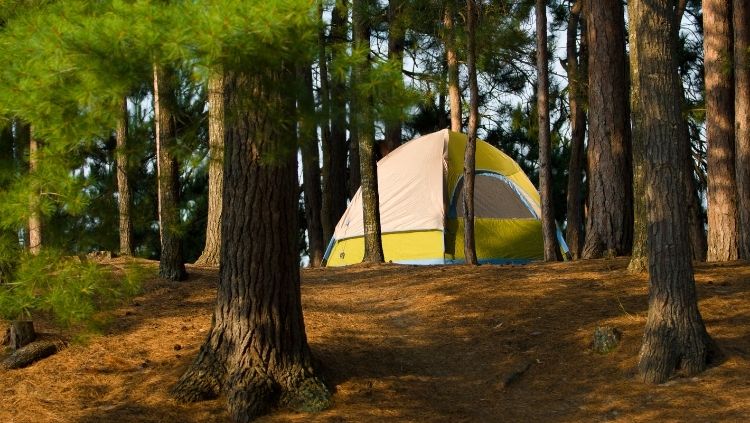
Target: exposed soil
(419,344)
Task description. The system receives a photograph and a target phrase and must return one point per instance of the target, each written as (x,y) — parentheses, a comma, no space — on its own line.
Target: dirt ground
(415,344)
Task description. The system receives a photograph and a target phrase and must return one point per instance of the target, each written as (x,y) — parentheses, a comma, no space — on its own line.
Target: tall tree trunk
(470,249)
(549,234)
(742,119)
(675,336)
(609,229)
(335,184)
(396,40)
(171,265)
(125,202)
(576,75)
(722,186)
(35,218)
(212,249)
(366,138)
(454,92)
(311,170)
(256,354)
(326,212)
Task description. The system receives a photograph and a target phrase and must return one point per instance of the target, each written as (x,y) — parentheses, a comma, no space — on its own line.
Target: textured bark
(549,234)
(125,202)
(396,39)
(171,265)
(675,337)
(35,218)
(576,75)
(609,228)
(454,92)
(212,249)
(335,191)
(325,128)
(256,354)
(31,353)
(19,334)
(470,249)
(366,139)
(639,255)
(741,17)
(311,170)
(722,187)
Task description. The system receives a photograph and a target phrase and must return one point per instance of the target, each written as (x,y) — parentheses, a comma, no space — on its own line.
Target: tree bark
(256,354)
(335,191)
(549,233)
(311,170)
(742,120)
(574,230)
(396,40)
(722,186)
(171,265)
(470,249)
(675,337)
(35,218)
(454,92)
(212,249)
(366,138)
(125,201)
(609,229)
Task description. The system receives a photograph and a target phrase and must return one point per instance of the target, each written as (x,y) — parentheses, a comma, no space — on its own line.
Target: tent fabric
(421,216)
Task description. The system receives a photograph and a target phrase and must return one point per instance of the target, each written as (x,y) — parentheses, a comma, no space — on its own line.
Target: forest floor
(414,344)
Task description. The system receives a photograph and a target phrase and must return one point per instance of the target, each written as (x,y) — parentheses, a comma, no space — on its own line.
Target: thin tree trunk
(366,133)
(609,228)
(574,230)
(454,92)
(35,218)
(675,336)
(311,170)
(549,235)
(339,92)
(124,203)
(171,265)
(256,354)
(742,119)
(722,186)
(470,250)
(327,208)
(396,40)
(212,249)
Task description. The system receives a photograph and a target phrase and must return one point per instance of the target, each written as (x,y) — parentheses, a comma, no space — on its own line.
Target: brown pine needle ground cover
(419,344)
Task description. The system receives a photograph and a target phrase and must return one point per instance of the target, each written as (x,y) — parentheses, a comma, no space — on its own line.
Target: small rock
(537,333)
(606,339)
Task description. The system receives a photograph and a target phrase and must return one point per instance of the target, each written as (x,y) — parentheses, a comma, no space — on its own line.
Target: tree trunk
(35,218)
(396,40)
(549,233)
(675,337)
(256,354)
(470,249)
(326,212)
(171,265)
(722,187)
(123,182)
(335,190)
(574,230)
(454,92)
(311,170)
(212,249)
(742,120)
(19,334)
(609,229)
(366,133)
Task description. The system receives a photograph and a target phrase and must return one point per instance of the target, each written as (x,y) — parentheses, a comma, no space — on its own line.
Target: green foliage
(73,290)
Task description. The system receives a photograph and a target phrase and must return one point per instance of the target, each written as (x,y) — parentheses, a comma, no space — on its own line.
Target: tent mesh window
(493,198)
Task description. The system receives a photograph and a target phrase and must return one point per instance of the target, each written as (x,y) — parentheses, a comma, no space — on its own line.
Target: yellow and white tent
(421,212)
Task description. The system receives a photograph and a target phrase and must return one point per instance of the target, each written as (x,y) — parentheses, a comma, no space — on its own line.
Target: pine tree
(741,16)
(124,202)
(470,249)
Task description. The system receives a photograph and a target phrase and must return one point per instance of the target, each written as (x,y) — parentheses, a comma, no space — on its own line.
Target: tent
(421,213)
